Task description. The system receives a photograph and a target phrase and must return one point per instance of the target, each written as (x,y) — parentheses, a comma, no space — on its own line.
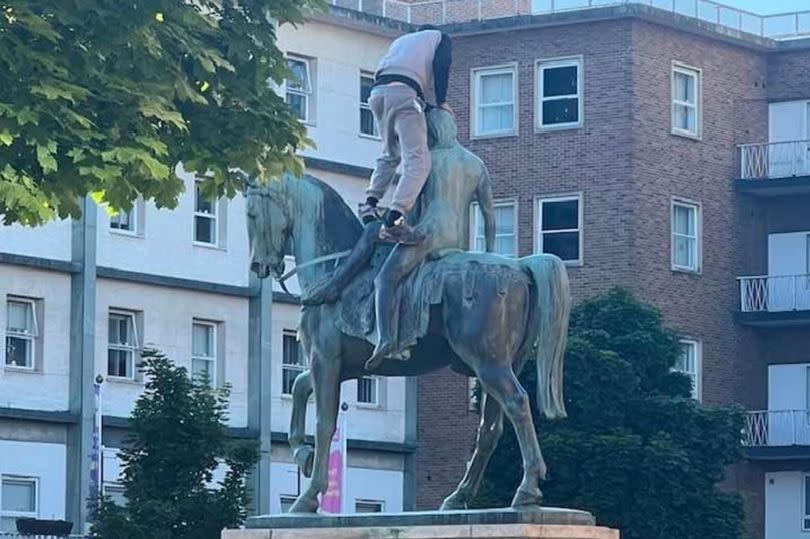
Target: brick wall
(446,431)
(789,75)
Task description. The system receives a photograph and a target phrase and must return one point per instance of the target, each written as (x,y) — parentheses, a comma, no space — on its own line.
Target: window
(505,233)
(685,236)
(204,352)
(293,361)
(559,91)
(560,224)
(205,217)
(287,502)
(124,221)
(298,88)
(115,492)
(368,506)
(806,518)
(686,101)
(367,124)
(18,498)
(368,390)
(689,364)
(123,345)
(21,333)
(494,101)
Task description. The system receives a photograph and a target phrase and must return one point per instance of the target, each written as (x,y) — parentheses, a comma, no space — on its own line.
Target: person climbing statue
(397,101)
(442,216)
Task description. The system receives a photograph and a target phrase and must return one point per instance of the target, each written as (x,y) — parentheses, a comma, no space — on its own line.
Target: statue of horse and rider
(482,314)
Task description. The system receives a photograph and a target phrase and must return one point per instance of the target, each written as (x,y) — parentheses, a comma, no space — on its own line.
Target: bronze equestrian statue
(482,314)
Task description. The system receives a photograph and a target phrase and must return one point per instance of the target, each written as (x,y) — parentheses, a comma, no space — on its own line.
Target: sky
(767,7)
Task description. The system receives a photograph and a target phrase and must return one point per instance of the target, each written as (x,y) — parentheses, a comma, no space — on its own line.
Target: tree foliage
(106,97)
(636,450)
(179,438)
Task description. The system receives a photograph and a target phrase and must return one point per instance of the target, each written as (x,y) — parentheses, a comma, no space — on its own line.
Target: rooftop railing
(780,26)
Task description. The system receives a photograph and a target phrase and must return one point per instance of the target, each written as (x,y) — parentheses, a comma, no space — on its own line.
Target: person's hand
(446,107)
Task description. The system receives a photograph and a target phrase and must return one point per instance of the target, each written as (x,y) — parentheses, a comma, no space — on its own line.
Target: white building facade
(82,298)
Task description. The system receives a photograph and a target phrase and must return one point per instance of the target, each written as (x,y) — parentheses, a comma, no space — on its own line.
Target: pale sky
(768,7)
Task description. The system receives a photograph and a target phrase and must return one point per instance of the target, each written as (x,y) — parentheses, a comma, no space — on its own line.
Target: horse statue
(487,316)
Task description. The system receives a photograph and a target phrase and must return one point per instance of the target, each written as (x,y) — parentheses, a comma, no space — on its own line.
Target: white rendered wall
(47,241)
(165,243)
(167,315)
(46,463)
(47,387)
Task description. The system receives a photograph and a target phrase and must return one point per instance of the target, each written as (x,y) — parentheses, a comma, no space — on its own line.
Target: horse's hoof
(305,459)
(454,502)
(305,504)
(527,499)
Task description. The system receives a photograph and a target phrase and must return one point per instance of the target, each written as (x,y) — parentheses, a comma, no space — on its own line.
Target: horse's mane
(310,196)
(336,213)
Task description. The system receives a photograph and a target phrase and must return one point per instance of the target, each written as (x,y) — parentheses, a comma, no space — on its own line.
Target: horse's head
(269,225)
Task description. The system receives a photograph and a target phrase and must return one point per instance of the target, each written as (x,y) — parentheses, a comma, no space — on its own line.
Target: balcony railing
(783,26)
(777,428)
(775,160)
(775,293)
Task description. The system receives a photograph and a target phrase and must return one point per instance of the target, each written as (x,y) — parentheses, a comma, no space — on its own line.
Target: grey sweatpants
(400,118)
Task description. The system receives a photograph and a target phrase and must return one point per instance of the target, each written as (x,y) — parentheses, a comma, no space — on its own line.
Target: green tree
(636,450)
(106,97)
(179,438)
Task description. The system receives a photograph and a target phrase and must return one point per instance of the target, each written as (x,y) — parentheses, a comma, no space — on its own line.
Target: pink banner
(332,500)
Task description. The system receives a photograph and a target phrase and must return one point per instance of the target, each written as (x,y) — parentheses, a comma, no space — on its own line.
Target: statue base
(546,523)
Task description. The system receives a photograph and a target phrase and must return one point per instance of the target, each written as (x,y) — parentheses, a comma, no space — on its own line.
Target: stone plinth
(548,523)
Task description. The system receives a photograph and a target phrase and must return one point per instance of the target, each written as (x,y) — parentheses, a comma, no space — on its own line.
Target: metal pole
(444,11)
(479,11)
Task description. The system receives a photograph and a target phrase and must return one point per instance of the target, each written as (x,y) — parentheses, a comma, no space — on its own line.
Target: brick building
(671,156)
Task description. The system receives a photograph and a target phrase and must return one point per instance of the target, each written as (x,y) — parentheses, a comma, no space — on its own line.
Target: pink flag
(332,500)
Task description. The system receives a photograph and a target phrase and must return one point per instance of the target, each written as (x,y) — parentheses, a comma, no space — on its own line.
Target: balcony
(775,300)
(781,26)
(777,434)
(775,169)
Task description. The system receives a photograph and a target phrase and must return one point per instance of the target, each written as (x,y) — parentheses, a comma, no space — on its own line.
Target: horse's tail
(552,308)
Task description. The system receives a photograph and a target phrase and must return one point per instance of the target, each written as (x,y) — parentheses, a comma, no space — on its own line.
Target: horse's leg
(325,373)
(302,453)
(489,432)
(501,383)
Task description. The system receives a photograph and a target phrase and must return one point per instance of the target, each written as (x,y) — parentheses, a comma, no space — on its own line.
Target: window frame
(538,225)
(281,498)
(697,346)
(20,514)
(805,494)
(697,74)
(475,215)
(378,503)
(213,217)
(683,202)
(476,74)
(135,221)
(540,65)
(214,347)
(31,338)
(134,349)
(305,93)
(377,389)
(300,367)
(365,106)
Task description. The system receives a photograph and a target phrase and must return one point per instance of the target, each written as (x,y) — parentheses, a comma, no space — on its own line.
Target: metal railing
(775,160)
(775,293)
(782,26)
(777,428)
